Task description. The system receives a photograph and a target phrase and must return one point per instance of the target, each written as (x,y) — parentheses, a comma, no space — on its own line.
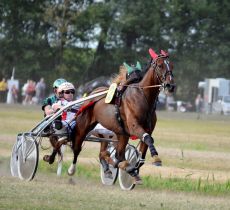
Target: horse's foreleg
(142,150)
(136,129)
(146,138)
(149,141)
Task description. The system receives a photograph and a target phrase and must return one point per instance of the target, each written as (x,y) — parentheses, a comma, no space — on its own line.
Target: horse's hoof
(122,165)
(137,180)
(156,161)
(72,169)
(108,174)
(46,158)
(51,159)
(105,154)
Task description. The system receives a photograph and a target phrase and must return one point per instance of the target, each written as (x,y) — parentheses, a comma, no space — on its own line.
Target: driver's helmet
(131,68)
(65,86)
(58,82)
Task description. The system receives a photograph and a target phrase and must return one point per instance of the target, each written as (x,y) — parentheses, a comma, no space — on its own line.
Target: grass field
(195,172)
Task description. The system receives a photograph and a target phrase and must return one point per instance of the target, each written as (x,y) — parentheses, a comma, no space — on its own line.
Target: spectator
(198,104)
(30,92)
(3,90)
(40,91)
(14,92)
(24,87)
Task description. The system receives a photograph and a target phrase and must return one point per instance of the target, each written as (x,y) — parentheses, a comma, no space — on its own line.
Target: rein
(149,86)
(156,69)
(145,87)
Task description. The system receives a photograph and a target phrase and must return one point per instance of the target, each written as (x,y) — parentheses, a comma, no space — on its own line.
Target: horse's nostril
(170,87)
(167,86)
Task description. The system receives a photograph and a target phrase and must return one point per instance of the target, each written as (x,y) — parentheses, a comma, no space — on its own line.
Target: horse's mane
(146,68)
(121,77)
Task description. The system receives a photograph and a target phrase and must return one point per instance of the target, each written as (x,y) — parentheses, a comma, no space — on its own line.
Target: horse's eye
(160,66)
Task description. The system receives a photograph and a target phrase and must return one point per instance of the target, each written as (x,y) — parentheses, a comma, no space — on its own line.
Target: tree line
(83,39)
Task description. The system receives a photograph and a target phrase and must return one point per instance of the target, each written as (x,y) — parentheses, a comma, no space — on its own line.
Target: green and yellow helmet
(58,82)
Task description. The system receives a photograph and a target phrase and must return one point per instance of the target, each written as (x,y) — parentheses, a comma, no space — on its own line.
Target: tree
(84,39)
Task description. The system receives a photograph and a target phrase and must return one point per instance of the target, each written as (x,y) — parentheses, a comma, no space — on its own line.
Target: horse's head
(163,69)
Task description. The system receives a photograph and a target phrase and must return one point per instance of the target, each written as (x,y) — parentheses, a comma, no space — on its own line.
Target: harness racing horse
(135,116)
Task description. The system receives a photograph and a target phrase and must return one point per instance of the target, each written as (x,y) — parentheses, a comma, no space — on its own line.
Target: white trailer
(213,90)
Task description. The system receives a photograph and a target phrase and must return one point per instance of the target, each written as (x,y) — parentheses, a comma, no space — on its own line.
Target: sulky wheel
(14,160)
(27,159)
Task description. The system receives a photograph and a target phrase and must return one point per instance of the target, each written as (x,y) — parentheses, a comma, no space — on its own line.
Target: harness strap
(119,119)
(91,103)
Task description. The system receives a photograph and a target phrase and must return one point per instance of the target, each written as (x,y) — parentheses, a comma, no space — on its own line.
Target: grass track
(182,141)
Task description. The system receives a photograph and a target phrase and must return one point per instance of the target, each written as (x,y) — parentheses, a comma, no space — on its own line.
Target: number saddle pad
(111,92)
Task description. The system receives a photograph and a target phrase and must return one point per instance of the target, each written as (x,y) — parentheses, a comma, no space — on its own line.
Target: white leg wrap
(72,169)
(59,168)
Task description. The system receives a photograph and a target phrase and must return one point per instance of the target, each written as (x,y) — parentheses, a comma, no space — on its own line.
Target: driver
(48,102)
(66,93)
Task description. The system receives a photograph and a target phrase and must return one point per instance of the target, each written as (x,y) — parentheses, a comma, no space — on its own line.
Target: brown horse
(135,116)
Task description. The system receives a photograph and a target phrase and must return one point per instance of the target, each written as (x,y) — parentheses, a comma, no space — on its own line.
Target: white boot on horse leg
(60,161)
(59,170)
(72,169)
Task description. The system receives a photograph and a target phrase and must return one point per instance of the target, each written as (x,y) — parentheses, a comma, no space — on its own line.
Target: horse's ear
(164,53)
(129,68)
(126,65)
(153,54)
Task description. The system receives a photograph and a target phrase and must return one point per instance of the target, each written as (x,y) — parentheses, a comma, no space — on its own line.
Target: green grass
(18,119)
(173,131)
(86,171)
(193,134)
(187,185)
(91,172)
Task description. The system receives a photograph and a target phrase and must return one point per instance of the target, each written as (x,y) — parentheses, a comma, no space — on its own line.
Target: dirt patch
(173,152)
